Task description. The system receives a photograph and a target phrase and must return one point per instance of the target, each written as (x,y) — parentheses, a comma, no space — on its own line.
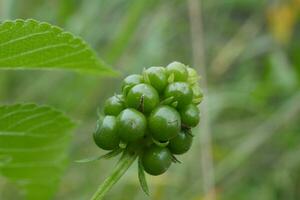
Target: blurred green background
(248,53)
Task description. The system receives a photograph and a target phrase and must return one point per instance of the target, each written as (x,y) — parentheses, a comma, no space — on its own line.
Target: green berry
(181,143)
(106,136)
(157,78)
(179,70)
(193,76)
(131,81)
(164,123)
(142,97)
(181,92)
(114,105)
(156,160)
(190,115)
(131,125)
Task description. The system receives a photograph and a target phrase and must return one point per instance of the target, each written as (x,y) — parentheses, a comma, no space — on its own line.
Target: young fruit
(131,125)
(181,92)
(190,115)
(142,97)
(114,105)
(193,80)
(156,76)
(179,70)
(164,123)
(156,160)
(131,81)
(193,76)
(106,136)
(181,143)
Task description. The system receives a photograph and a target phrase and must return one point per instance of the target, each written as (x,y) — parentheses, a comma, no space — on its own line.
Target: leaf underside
(29,44)
(36,139)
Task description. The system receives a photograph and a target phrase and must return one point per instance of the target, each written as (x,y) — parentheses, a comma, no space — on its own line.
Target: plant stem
(122,166)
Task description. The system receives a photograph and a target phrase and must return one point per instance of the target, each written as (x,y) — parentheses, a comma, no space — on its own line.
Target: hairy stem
(122,166)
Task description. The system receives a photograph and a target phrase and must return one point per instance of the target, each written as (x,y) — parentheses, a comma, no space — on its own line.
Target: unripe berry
(181,92)
(164,123)
(105,135)
(179,71)
(131,125)
(181,143)
(190,115)
(114,105)
(142,97)
(156,160)
(131,81)
(156,76)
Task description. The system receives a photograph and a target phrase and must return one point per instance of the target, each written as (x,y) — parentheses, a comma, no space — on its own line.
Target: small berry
(164,123)
(131,81)
(179,70)
(181,92)
(190,115)
(114,105)
(106,136)
(142,97)
(156,160)
(157,78)
(181,143)
(131,125)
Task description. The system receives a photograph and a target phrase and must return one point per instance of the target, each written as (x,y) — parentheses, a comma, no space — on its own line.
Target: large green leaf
(29,44)
(34,140)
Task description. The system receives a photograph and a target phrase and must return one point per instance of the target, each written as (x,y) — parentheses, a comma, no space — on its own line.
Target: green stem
(122,166)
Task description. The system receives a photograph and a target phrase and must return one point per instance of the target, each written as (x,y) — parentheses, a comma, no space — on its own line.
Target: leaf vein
(23,38)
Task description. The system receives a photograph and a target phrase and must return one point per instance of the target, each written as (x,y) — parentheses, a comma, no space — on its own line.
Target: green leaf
(4,159)
(36,139)
(29,44)
(142,177)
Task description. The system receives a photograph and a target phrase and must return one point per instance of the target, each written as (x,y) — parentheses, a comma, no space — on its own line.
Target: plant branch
(122,166)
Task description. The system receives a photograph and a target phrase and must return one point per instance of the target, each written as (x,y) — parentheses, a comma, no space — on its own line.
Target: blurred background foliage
(248,145)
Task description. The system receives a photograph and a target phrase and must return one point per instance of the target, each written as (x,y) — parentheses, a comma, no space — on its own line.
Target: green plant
(143,122)
(155,123)
(34,139)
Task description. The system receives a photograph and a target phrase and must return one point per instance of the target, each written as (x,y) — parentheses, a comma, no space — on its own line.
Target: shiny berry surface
(142,97)
(182,93)
(114,105)
(164,123)
(157,77)
(181,143)
(190,115)
(105,135)
(179,71)
(131,125)
(131,81)
(156,160)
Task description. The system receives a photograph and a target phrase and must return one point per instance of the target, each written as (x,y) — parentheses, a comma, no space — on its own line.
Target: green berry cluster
(154,113)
